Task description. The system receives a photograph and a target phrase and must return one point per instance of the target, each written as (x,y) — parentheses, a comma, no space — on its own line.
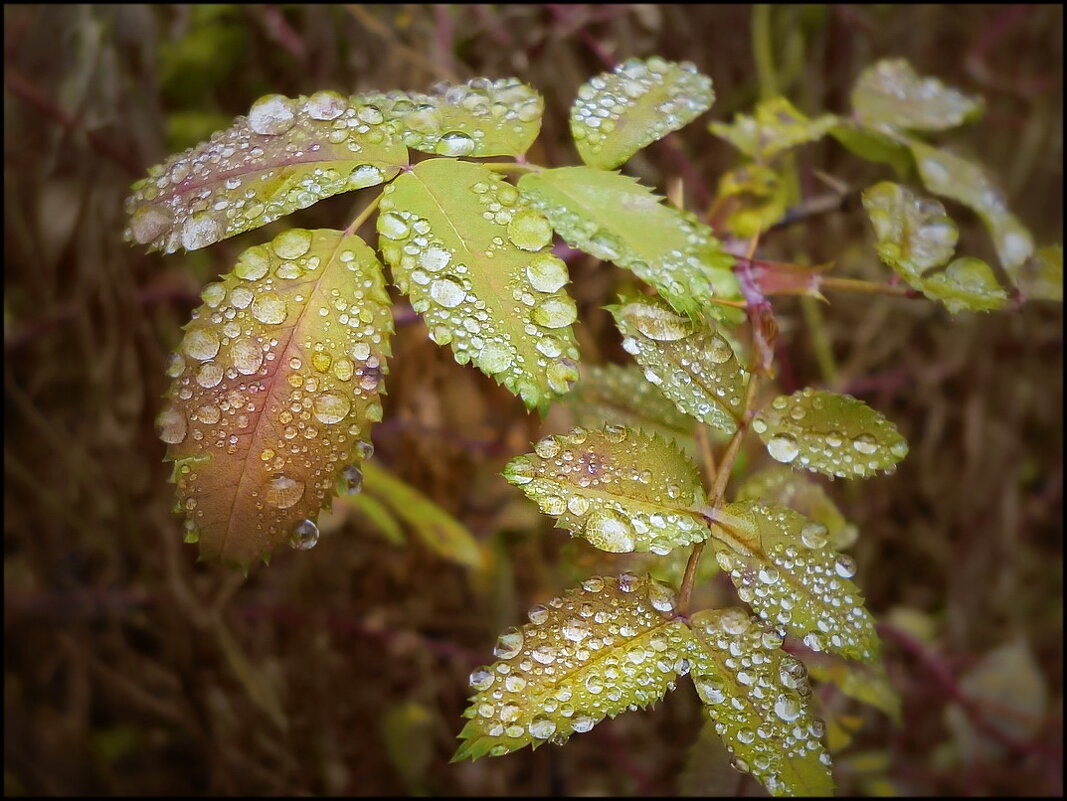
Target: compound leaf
(892,93)
(481,117)
(784,568)
(776,127)
(1041,277)
(828,433)
(621,489)
(966,284)
(618,113)
(780,486)
(612,645)
(691,363)
(285,155)
(477,265)
(615,218)
(276,383)
(954,177)
(759,700)
(913,234)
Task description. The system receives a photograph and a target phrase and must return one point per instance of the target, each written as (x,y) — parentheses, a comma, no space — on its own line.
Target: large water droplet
(271,115)
(305,535)
(555,312)
(201,343)
(200,230)
(546,272)
(150,222)
(331,407)
(542,728)
(171,425)
(660,324)
(865,444)
(392,226)
(787,707)
(481,678)
(508,644)
(292,244)
(253,264)
(325,105)
(529,230)
(448,292)
(455,143)
(609,532)
(710,689)
(283,491)
(783,447)
(247,355)
(270,309)
(494,358)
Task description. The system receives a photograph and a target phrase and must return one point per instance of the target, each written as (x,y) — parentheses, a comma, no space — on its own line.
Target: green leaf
(776,127)
(872,145)
(477,265)
(481,117)
(618,113)
(913,234)
(621,489)
(708,772)
(867,683)
(758,199)
(612,645)
(780,486)
(621,395)
(431,524)
(1041,277)
(276,382)
(951,176)
(966,284)
(784,568)
(615,218)
(691,363)
(760,701)
(828,433)
(285,155)
(379,516)
(892,93)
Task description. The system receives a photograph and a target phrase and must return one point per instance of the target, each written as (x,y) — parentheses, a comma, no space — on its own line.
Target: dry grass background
(129,668)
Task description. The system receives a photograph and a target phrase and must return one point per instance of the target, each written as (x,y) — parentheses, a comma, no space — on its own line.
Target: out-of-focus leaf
(892,93)
(285,155)
(708,772)
(913,234)
(1041,277)
(477,265)
(868,682)
(777,126)
(760,701)
(431,524)
(612,645)
(276,382)
(966,284)
(615,218)
(758,198)
(621,489)
(872,145)
(829,433)
(691,363)
(952,176)
(408,732)
(481,117)
(618,113)
(784,568)
(781,486)
(379,516)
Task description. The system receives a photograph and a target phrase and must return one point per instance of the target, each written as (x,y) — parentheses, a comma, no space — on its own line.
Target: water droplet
(448,292)
(283,491)
(455,143)
(719,350)
(609,532)
(530,230)
(351,480)
(200,230)
(555,312)
(271,115)
(814,535)
(305,535)
(253,264)
(710,689)
(661,597)
(150,222)
(392,226)
(582,723)
(331,407)
(865,444)
(325,105)
(547,273)
(191,532)
(209,375)
(494,358)
(787,707)
(544,654)
(845,566)
(595,584)
(542,728)
(171,425)
(783,447)
(247,355)
(508,644)
(481,678)
(660,324)
(515,684)
(538,614)
(201,343)
(292,244)
(576,630)
(899,449)
(270,309)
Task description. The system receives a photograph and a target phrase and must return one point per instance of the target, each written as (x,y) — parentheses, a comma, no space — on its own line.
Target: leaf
(612,645)
(708,772)
(760,701)
(873,145)
(276,382)
(1041,277)
(409,732)
(892,93)
(477,265)
(481,117)
(431,524)
(621,489)
(951,176)
(913,234)
(285,155)
(615,218)
(784,568)
(776,127)
(780,486)
(379,516)
(868,683)
(759,199)
(967,283)
(621,395)
(618,113)
(828,433)
(691,363)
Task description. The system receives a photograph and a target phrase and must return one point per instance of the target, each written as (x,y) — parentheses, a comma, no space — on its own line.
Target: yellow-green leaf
(757,198)
(913,234)
(476,262)
(954,177)
(691,363)
(780,486)
(776,126)
(621,489)
(615,218)
(866,682)
(966,284)
(276,382)
(1041,277)
(829,433)
(481,117)
(285,155)
(892,93)
(873,145)
(612,645)
(759,699)
(784,568)
(618,113)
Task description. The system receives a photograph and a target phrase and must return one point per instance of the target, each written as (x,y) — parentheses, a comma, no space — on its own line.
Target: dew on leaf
(283,491)
(305,535)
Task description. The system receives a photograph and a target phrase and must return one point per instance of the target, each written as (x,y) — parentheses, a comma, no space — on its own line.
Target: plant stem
(866,287)
(363,215)
(512,166)
(820,342)
(763,50)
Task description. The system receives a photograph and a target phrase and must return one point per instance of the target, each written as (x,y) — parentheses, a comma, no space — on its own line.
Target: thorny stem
(363,215)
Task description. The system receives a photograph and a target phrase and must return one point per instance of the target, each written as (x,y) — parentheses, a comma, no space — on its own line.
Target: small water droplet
(351,480)
(305,535)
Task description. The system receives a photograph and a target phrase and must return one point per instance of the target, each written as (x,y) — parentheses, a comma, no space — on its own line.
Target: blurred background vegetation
(129,668)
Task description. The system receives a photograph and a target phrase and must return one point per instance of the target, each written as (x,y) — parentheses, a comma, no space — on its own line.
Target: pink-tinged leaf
(276,383)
